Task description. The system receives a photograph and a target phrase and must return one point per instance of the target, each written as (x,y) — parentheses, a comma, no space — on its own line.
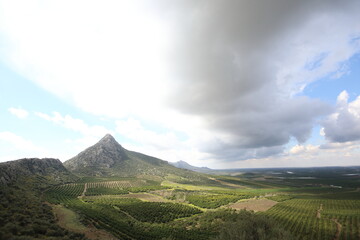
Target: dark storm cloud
(227,67)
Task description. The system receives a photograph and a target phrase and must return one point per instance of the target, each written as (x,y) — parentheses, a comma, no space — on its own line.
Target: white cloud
(344,124)
(18,141)
(115,58)
(15,146)
(74,124)
(298,149)
(19,112)
(133,129)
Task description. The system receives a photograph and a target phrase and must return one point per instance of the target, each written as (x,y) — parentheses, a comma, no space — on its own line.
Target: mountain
(47,168)
(104,154)
(109,158)
(185,165)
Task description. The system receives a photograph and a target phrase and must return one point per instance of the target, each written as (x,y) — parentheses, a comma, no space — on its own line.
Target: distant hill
(185,165)
(49,169)
(108,158)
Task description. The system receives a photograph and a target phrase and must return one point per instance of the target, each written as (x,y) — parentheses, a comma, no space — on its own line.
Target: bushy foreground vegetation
(24,216)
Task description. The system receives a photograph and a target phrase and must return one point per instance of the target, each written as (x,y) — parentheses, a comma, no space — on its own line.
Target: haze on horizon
(222,84)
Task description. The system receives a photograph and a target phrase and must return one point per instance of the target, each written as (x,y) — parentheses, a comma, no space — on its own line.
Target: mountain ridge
(12,171)
(184,165)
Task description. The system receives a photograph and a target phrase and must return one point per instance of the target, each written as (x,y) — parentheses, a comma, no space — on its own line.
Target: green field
(146,209)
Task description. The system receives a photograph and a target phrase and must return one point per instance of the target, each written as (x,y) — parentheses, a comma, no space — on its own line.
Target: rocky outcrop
(13,170)
(104,154)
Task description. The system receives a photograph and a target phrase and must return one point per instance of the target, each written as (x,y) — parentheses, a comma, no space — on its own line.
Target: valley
(130,195)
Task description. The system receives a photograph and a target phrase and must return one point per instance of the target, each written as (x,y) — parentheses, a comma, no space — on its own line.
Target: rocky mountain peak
(104,153)
(108,138)
(109,141)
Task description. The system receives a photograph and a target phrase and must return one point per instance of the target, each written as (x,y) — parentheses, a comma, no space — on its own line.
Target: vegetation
(248,226)
(213,201)
(174,207)
(105,191)
(24,216)
(280,198)
(157,211)
(315,218)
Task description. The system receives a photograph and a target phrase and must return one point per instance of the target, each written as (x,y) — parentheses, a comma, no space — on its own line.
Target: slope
(108,158)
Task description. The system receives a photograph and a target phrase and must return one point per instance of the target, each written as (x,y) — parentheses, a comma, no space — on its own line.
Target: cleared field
(255,205)
(142,196)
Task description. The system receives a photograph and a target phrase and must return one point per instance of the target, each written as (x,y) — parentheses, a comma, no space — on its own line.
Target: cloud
(304,156)
(344,124)
(19,112)
(227,74)
(300,149)
(134,130)
(74,124)
(14,147)
(244,72)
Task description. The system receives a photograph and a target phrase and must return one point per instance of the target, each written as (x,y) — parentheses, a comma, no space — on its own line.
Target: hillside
(50,169)
(23,213)
(185,165)
(108,158)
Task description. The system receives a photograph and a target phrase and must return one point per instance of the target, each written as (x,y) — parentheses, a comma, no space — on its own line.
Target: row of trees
(300,217)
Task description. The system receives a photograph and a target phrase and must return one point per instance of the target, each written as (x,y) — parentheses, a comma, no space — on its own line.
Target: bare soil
(338,229)
(318,212)
(84,192)
(255,205)
(142,196)
(146,197)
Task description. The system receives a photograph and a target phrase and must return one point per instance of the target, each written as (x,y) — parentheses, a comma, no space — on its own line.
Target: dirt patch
(256,205)
(68,219)
(84,192)
(147,197)
(318,212)
(338,229)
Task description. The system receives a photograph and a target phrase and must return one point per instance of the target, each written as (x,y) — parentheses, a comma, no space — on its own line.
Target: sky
(222,84)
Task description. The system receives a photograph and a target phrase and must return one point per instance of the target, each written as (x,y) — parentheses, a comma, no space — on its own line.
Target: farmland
(147,209)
